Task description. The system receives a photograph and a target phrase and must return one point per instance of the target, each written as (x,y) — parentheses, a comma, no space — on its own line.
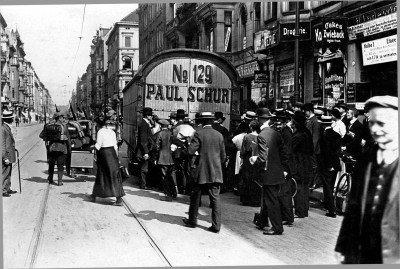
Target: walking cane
(19,172)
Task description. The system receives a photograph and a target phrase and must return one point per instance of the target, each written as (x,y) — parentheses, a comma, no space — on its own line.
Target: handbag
(124,172)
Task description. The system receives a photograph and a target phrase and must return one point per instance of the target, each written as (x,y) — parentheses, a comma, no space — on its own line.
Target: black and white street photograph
(154,134)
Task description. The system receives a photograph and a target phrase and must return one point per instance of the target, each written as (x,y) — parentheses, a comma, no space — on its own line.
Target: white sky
(50,35)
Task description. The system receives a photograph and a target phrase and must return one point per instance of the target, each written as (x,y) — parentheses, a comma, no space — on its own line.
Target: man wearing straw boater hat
(273,167)
(7,151)
(209,144)
(370,231)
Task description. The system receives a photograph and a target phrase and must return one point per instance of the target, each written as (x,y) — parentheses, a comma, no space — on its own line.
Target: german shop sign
(380,50)
(261,77)
(265,39)
(287,31)
(332,32)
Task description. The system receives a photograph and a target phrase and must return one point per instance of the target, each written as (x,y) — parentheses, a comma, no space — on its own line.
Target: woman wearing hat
(301,169)
(108,182)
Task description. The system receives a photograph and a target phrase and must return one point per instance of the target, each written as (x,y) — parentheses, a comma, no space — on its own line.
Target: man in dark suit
(370,228)
(273,167)
(209,144)
(165,161)
(145,144)
(230,151)
(342,107)
(352,139)
(7,152)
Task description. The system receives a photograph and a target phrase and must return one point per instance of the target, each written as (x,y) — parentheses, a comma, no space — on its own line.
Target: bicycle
(343,185)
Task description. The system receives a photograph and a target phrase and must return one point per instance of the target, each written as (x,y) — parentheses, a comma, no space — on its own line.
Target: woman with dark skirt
(108,181)
(250,193)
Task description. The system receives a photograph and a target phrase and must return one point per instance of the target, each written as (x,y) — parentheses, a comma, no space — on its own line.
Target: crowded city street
(199,134)
(61,228)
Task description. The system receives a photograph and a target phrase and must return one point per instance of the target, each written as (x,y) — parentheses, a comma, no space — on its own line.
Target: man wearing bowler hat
(7,151)
(209,144)
(370,228)
(272,166)
(145,144)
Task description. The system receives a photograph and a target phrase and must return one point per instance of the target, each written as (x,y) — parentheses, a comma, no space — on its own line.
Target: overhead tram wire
(80,38)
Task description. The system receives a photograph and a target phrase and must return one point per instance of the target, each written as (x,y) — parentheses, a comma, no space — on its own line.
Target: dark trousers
(271,202)
(182,173)
(53,158)
(168,179)
(286,203)
(213,190)
(6,173)
(301,199)
(68,163)
(328,183)
(144,168)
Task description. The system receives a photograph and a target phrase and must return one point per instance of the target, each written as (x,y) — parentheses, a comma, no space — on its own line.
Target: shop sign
(287,31)
(373,14)
(261,77)
(247,69)
(381,50)
(351,93)
(379,25)
(265,39)
(332,32)
(286,82)
(334,81)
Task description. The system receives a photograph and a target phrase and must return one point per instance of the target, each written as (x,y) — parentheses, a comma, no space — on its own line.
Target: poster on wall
(286,81)
(334,82)
(379,51)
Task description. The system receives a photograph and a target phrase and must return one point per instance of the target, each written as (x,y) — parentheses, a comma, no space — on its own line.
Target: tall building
(123,55)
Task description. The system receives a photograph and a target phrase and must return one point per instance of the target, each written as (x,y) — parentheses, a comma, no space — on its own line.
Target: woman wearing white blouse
(108,181)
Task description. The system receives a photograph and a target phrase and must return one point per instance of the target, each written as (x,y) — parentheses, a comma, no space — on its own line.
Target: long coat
(349,238)
(302,151)
(8,144)
(163,148)
(353,144)
(209,144)
(314,127)
(272,157)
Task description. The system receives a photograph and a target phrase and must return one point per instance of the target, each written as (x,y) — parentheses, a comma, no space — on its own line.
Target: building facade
(340,45)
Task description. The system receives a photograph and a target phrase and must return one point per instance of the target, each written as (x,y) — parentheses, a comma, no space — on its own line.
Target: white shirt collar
(388,156)
(265,125)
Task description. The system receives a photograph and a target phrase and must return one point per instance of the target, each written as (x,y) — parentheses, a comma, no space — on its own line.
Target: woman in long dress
(108,181)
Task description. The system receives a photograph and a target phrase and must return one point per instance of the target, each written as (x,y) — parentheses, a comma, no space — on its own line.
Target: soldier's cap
(382,101)
(163,122)
(7,114)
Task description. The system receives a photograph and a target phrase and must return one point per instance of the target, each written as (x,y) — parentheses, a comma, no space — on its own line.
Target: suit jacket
(314,127)
(209,143)
(349,238)
(8,144)
(145,142)
(272,157)
(163,148)
(353,144)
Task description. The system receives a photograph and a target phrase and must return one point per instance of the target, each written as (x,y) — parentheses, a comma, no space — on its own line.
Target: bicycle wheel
(341,190)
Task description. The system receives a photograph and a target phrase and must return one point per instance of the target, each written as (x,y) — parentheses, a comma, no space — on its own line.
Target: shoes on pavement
(213,229)
(272,232)
(188,223)
(166,198)
(91,197)
(288,223)
(60,183)
(6,195)
(331,215)
(11,192)
(118,203)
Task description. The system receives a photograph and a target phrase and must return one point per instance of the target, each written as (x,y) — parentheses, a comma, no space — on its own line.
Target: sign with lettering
(373,14)
(379,25)
(261,77)
(247,69)
(381,50)
(334,81)
(332,32)
(265,39)
(351,93)
(287,31)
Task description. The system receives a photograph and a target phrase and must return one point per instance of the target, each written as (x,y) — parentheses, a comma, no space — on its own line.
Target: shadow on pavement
(166,218)
(36,179)
(40,161)
(83,196)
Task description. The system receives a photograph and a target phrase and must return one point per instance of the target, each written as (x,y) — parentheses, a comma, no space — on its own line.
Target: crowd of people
(271,160)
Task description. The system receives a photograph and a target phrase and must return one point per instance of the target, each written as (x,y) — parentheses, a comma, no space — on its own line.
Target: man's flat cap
(382,101)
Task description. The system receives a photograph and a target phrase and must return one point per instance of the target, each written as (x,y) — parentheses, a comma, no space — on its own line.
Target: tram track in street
(151,239)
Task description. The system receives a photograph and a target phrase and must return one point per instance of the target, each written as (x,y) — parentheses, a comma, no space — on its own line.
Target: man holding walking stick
(7,152)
